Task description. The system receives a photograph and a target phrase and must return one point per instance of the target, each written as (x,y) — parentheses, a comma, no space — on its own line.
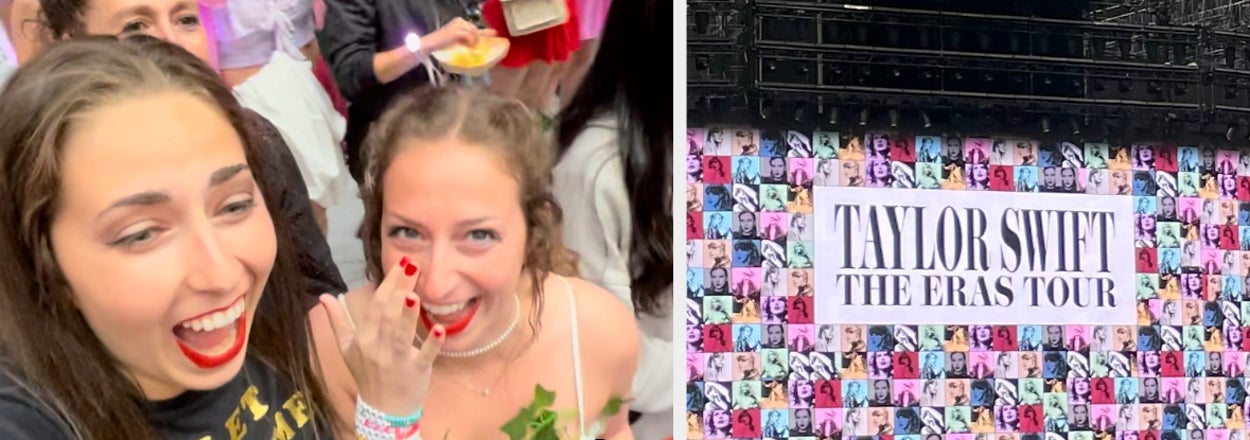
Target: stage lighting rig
(919,63)
(1049,9)
(1216,15)
(718,73)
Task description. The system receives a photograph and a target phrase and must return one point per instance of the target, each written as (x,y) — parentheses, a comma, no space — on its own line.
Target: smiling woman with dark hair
(70,332)
(146,292)
(179,22)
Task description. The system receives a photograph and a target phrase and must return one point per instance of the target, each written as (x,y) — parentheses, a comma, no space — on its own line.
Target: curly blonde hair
(475,116)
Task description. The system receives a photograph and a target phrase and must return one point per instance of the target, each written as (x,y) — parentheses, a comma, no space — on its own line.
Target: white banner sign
(913,256)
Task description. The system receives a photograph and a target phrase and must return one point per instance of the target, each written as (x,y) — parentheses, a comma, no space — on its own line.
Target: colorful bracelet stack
(372,424)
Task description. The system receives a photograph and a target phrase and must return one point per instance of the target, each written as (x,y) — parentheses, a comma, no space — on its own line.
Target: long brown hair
(52,351)
(478,117)
(630,79)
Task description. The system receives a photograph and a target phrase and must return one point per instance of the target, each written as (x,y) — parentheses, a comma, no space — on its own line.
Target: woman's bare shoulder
(595,300)
(358,298)
(607,326)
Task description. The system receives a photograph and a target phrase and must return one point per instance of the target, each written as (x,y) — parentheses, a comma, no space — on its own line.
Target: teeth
(216,320)
(444,310)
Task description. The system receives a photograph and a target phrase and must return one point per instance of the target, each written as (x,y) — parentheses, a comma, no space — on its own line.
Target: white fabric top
(248,32)
(595,429)
(286,92)
(590,187)
(8,56)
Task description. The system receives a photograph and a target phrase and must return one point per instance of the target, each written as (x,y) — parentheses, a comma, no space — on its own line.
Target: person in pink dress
(536,62)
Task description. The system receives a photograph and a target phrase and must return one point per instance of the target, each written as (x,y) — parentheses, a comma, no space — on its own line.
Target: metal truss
(716,38)
(826,25)
(1216,15)
(1138,61)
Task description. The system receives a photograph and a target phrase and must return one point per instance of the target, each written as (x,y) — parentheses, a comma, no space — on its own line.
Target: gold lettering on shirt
(253,405)
(298,408)
(281,429)
(235,426)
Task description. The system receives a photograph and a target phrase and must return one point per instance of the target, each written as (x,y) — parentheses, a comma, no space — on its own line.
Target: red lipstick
(206,361)
(455,327)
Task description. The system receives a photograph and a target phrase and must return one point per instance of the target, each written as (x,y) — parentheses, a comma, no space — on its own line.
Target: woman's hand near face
(455,33)
(390,373)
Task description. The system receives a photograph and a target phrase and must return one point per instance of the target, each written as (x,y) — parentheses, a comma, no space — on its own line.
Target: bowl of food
(473,60)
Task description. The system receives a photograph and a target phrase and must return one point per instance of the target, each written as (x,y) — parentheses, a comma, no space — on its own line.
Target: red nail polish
(410,302)
(438,332)
(403,262)
(410,270)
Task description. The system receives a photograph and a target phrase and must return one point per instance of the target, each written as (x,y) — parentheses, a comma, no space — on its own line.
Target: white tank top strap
(343,302)
(577,358)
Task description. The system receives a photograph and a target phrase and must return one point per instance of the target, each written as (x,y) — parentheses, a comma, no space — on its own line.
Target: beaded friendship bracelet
(372,424)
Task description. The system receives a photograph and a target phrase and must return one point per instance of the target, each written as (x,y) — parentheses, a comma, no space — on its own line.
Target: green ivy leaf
(518,427)
(533,419)
(613,407)
(548,122)
(545,419)
(543,398)
(546,432)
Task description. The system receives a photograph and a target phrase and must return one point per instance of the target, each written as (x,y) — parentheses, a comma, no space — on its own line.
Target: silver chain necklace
(485,390)
(516,317)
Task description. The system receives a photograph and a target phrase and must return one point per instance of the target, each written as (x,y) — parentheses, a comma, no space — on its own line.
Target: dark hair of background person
(48,346)
(632,76)
(62,19)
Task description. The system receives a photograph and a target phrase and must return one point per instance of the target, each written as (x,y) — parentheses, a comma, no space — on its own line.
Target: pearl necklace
(516,317)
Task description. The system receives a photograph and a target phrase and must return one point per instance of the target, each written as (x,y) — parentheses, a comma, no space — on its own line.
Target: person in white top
(8,57)
(613,179)
(6,71)
(266,49)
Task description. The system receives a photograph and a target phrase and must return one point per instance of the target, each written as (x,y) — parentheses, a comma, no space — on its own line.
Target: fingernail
(438,331)
(408,301)
(403,262)
(410,270)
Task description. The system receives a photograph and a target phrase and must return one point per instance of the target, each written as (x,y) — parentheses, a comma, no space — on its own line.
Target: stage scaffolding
(1181,65)
(1215,15)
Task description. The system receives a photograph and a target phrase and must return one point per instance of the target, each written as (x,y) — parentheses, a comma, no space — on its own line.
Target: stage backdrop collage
(933,287)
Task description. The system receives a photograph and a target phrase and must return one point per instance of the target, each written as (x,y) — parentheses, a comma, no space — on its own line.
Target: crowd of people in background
(175,164)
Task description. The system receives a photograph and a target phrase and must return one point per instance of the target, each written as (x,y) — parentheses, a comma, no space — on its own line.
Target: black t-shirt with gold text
(254,405)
